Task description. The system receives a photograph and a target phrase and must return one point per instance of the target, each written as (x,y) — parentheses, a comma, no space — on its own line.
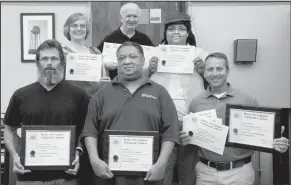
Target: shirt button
(217,101)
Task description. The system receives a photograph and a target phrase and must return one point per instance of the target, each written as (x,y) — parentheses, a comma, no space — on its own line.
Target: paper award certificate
(109,53)
(47,148)
(208,133)
(83,67)
(130,153)
(176,59)
(207,113)
(251,127)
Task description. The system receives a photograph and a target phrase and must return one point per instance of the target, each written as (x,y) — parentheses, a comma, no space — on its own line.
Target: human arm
(100,168)
(12,144)
(80,116)
(199,64)
(90,136)
(169,135)
(157,171)
(153,66)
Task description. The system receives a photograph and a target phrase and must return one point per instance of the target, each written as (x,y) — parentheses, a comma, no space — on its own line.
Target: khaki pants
(243,175)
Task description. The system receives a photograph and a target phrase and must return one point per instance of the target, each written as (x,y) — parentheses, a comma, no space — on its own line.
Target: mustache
(49,68)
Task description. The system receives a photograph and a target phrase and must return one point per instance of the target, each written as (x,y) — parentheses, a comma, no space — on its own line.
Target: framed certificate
(47,147)
(252,127)
(130,152)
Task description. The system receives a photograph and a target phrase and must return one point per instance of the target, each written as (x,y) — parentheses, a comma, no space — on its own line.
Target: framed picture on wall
(35,28)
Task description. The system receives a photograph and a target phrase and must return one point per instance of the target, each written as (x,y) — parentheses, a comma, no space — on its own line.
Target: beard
(51,76)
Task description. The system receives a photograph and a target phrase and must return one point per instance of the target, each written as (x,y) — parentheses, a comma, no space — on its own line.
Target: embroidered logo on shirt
(148,96)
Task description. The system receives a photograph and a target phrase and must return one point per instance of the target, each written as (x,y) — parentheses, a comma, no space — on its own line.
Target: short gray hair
(125,6)
(219,56)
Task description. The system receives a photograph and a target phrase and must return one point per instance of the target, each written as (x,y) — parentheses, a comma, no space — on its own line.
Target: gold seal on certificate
(252,127)
(129,152)
(47,147)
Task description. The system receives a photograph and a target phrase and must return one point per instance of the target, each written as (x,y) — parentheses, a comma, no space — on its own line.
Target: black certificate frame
(156,148)
(276,131)
(49,128)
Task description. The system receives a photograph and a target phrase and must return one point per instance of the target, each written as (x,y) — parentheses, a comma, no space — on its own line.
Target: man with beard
(49,101)
(129,17)
(130,102)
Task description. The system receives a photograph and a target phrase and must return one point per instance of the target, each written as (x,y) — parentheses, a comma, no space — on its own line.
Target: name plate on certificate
(252,127)
(130,152)
(47,147)
(83,67)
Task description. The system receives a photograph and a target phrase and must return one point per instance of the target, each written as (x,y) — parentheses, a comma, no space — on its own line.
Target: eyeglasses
(180,29)
(75,26)
(52,59)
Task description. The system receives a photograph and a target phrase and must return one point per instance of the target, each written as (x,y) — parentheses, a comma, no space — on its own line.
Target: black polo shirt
(65,104)
(149,108)
(118,37)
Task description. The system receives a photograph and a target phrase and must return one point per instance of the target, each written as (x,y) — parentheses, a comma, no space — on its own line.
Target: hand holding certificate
(206,130)
(83,67)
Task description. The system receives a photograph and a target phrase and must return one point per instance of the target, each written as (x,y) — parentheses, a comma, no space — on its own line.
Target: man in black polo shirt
(49,101)
(129,17)
(131,102)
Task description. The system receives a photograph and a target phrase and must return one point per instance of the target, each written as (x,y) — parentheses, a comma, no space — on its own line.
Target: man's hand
(153,65)
(199,65)
(75,163)
(281,144)
(111,65)
(101,169)
(156,172)
(17,166)
(184,138)
(105,80)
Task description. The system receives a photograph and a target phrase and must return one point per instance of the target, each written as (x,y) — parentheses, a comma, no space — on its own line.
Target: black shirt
(65,104)
(118,37)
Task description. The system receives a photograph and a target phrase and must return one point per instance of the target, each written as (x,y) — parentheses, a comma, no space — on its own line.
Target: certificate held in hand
(206,131)
(45,147)
(253,127)
(83,67)
(130,152)
(176,59)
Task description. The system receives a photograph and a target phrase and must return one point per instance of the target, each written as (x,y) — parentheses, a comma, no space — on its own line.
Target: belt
(220,166)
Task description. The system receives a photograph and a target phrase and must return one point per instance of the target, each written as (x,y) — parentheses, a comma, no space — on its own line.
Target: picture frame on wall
(35,28)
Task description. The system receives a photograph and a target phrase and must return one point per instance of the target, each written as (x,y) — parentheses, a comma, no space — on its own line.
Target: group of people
(130,97)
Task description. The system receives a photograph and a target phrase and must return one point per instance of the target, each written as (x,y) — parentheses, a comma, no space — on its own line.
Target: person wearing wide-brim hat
(182,88)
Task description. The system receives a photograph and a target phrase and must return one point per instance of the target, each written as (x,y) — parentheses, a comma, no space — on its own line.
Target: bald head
(129,7)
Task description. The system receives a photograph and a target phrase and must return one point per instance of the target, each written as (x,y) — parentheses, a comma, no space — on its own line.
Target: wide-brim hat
(178,17)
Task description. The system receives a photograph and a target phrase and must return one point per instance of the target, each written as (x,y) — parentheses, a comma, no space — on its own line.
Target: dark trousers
(184,160)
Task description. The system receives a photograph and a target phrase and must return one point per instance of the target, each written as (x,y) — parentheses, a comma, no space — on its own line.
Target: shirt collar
(136,34)
(230,91)
(115,81)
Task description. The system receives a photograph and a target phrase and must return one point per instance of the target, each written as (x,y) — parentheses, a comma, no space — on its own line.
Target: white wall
(218,24)
(15,74)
